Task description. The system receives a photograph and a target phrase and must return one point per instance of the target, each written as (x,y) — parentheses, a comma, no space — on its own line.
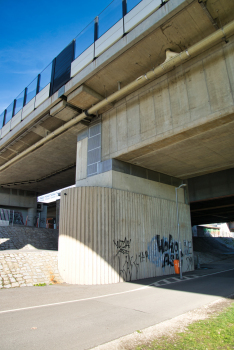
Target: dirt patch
(167,328)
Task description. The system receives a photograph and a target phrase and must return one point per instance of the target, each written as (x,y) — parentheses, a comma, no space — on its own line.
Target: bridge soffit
(147,53)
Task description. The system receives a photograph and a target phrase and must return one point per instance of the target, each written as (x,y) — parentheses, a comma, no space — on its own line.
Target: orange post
(177,266)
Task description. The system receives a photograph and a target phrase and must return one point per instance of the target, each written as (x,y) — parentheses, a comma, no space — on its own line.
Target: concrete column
(119,223)
(43,217)
(32,213)
(118,227)
(81,155)
(57,213)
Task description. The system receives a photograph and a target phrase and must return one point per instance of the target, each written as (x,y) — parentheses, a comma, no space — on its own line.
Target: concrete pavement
(82,317)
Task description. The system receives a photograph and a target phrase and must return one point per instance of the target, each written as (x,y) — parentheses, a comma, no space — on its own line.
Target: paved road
(81,317)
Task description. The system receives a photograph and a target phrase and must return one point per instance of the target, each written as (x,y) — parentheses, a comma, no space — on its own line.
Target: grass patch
(40,285)
(215,333)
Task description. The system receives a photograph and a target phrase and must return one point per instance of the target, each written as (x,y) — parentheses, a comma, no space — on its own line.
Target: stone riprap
(23,269)
(28,256)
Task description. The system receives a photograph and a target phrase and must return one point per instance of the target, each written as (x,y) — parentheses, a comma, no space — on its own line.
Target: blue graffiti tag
(162,252)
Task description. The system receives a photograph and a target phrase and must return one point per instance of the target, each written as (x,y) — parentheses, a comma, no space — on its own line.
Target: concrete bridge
(148,106)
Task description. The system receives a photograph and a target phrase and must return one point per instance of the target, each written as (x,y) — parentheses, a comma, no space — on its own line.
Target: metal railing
(112,14)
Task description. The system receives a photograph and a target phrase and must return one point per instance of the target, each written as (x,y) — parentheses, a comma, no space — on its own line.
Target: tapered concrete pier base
(110,235)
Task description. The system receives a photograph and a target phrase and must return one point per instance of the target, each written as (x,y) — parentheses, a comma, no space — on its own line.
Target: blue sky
(32,33)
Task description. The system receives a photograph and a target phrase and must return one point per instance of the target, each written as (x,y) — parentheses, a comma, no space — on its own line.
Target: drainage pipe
(163,68)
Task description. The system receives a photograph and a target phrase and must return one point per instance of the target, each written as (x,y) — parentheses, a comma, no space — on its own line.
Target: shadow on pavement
(209,279)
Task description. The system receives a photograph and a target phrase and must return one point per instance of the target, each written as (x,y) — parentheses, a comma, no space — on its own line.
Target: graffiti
(188,254)
(17,218)
(153,248)
(129,267)
(143,256)
(187,247)
(163,252)
(189,261)
(126,270)
(122,246)
(136,264)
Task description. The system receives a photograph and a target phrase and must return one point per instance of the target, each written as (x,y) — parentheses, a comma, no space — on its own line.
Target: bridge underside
(205,149)
(212,197)
(48,168)
(211,211)
(52,165)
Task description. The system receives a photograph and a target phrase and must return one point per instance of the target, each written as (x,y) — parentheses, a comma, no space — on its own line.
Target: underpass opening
(212,242)
(216,210)
(211,198)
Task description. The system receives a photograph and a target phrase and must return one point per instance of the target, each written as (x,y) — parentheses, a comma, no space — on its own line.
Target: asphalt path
(82,317)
